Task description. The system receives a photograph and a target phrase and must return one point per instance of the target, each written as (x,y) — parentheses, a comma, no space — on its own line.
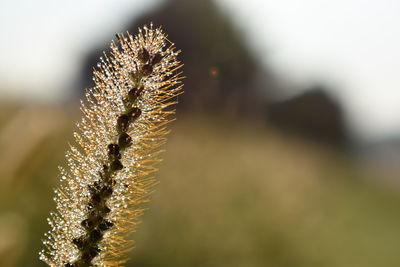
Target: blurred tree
(313,114)
(222,75)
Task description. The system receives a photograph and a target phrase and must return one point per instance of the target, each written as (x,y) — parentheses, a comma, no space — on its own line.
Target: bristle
(99,200)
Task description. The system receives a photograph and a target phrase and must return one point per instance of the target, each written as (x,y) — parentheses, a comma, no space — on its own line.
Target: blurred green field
(231,194)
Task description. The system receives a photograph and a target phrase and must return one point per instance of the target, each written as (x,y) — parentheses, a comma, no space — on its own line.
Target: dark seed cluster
(97,223)
(148,61)
(135,84)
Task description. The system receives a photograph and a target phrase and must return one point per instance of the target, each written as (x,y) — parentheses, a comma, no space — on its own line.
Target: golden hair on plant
(118,141)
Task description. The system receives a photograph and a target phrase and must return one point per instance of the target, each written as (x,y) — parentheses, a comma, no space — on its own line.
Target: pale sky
(354,45)
(43,42)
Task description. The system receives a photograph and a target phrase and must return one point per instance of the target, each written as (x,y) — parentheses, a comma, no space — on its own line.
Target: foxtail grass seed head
(109,174)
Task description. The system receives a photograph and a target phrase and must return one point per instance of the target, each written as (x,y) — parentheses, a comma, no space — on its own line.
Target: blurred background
(286,148)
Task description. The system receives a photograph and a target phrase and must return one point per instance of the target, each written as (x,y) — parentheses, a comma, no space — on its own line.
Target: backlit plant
(110,168)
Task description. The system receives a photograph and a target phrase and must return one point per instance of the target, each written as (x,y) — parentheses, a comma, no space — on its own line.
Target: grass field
(230,194)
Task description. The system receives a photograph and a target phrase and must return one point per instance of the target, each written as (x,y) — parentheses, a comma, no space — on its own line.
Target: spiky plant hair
(110,169)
